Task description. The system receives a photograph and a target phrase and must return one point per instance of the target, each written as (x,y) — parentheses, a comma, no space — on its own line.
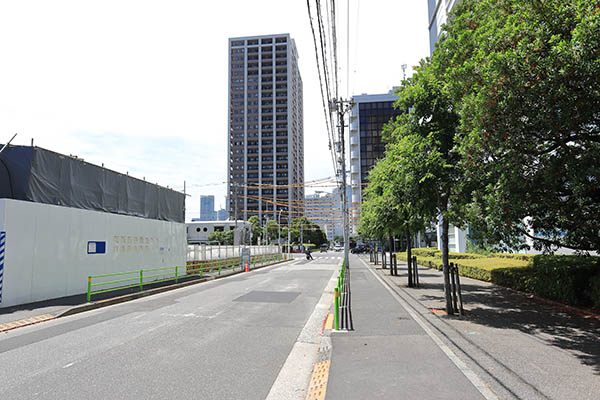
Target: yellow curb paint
(318,383)
(329,322)
(24,322)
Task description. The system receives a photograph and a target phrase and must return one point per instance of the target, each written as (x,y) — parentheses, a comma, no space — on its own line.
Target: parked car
(324,248)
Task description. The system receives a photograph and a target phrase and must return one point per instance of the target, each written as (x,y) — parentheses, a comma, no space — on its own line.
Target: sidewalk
(389,355)
(519,346)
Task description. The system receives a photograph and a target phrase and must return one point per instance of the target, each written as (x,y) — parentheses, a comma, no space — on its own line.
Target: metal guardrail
(142,277)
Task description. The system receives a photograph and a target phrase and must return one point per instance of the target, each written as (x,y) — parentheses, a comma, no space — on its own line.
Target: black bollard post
(460,301)
(453,281)
(395,265)
(383,259)
(410,273)
(416,269)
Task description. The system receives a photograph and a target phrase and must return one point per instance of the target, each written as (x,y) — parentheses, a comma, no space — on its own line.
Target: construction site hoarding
(43,176)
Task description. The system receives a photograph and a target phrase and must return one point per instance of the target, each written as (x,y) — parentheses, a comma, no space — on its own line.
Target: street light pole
(279,230)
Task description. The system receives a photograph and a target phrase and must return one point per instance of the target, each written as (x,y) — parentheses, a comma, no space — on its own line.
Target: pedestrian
(308,255)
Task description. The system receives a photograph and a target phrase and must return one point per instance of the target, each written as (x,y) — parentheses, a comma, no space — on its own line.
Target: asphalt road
(224,339)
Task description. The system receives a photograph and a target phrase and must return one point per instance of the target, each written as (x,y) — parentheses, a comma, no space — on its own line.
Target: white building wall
(457,238)
(46,251)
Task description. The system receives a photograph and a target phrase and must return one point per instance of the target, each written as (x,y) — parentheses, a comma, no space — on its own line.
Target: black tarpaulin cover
(43,176)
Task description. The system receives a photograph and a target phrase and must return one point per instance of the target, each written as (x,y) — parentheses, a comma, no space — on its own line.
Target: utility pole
(342,107)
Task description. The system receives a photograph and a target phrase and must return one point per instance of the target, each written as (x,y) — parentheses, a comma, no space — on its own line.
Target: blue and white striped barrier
(2,247)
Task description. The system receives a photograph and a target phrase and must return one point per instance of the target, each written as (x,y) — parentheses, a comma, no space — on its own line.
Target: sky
(141,86)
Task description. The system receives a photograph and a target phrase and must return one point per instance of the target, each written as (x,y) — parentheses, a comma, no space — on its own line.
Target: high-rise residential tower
(266,133)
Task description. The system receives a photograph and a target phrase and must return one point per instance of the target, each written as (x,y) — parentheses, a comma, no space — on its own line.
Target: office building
(266,137)
(325,210)
(207,208)
(222,214)
(438,15)
(368,115)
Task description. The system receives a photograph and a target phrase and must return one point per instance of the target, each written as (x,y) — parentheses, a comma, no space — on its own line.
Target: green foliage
(311,232)
(257,231)
(568,279)
(593,291)
(223,237)
(525,76)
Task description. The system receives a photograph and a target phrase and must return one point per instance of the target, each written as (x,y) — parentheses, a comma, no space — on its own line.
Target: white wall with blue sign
(48,251)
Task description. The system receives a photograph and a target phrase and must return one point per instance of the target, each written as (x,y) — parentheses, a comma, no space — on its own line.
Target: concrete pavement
(390,354)
(518,346)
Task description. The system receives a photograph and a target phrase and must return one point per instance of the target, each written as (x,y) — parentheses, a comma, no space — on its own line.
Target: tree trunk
(446,266)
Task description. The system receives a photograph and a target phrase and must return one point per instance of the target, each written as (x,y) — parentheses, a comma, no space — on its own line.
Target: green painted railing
(337,293)
(148,276)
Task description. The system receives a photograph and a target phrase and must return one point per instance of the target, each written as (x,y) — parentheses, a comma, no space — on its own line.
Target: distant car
(337,247)
(323,248)
(359,249)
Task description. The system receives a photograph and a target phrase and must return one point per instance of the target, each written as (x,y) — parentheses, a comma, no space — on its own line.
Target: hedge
(566,278)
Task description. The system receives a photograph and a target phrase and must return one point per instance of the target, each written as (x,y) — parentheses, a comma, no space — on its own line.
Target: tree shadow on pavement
(502,308)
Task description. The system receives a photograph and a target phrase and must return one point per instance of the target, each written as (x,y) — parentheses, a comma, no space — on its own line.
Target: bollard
(410,272)
(176,276)
(461,310)
(141,279)
(453,283)
(416,271)
(89,293)
(219,268)
(337,310)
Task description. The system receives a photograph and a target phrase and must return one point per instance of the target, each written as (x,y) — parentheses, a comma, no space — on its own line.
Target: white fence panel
(203,252)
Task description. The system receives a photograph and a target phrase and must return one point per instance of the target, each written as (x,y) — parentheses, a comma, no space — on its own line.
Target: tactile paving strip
(318,382)
(24,322)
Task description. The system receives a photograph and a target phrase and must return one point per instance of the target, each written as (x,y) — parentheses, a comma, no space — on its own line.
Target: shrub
(568,279)
(460,256)
(593,291)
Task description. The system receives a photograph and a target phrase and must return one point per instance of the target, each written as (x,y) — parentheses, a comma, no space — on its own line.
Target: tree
(424,144)
(525,76)
(223,237)
(272,229)
(256,229)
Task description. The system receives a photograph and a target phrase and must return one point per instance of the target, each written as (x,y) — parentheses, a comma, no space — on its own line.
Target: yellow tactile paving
(318,384)
(24,322)
(329,322)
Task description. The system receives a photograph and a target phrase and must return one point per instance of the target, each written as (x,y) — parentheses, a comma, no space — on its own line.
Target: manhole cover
(258,296)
